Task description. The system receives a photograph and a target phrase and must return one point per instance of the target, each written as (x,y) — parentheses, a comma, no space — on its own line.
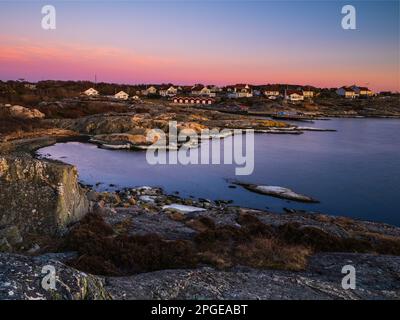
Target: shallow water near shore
(353,172)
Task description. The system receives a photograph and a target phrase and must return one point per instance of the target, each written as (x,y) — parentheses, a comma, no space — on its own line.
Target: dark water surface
(353,172)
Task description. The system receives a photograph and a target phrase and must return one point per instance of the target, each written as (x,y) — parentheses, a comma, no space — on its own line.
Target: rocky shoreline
(140,243)
(305,264)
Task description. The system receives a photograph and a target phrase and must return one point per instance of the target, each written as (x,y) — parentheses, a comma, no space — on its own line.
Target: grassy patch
(81,109)
(10,125)
(111,251)
(320,240)
(103,252)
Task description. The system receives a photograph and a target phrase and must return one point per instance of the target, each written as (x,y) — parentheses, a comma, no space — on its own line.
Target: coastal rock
(186,126)
(160,224)
(25,113)
(377,278)
(139,123)
(279,131)
(315,129)
(10,235)
(21,279)
(279,192)
(38,197)
(182,208)
(120,138)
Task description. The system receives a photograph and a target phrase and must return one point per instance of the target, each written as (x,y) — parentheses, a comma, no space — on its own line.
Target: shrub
(102,252)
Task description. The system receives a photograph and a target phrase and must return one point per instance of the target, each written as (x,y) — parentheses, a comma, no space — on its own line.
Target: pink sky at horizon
(35,62)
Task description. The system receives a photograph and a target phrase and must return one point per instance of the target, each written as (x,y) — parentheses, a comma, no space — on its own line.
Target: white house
(346,92)
(200,90)
(294,95)
(91,92)
(362,91)
(168,91)
(121,95)
(308,93)
(241,91)
(149,90)
(30,86)
(215,89)
(271,91)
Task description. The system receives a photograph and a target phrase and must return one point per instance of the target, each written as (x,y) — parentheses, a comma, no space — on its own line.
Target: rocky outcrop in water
(278,192)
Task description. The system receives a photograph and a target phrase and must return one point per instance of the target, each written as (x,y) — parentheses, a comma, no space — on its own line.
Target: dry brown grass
(14,125)
(111,251)
(253,245)
(81,109)
(101,251)
(320,240)
(271,253)
(176,216)
(123,226)
(201,224)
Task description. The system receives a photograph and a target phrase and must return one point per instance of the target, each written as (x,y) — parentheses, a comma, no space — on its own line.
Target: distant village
(237,98)
(207,94)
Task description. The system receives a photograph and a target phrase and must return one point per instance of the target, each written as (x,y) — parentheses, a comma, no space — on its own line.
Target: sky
(204,41)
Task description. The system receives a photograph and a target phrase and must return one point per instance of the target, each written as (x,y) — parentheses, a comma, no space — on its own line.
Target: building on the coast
(241,91)
(204,91)
(215,89)
(121,95)
(149,90)
(271,91)
(185,90)
(135,97)
(168,91)
(362,91)
(308,93)
(294,95)
(347,93)
(30,86)
(192,100)
(91,92)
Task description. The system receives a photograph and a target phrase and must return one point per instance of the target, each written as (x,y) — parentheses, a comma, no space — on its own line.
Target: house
(271,91)
(241,91)
(149,90)
(308,93)
(197,89)
(186,90)
(30,86)
(200,90)
(362,91)
(91,92)
(121,95)
(346,92)
(215,89)
(135,98)
(294,95)
(168,91)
